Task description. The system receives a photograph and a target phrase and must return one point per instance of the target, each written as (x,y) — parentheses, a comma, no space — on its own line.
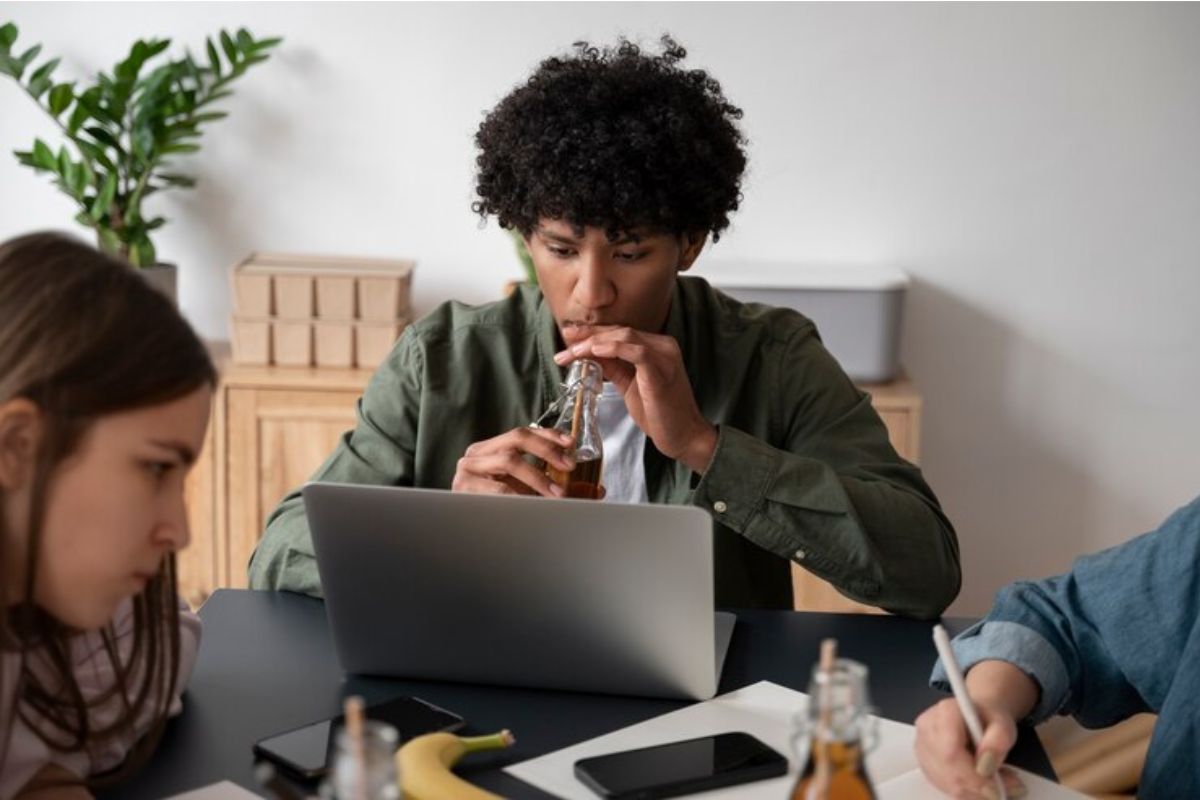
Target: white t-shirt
(28,754)
(623,475)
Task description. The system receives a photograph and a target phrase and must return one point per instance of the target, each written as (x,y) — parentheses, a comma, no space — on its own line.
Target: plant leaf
(143,143)
(156,223)
(70,177)
(109,241)
(97,154)
(178,179)
(86,177)
(61,97)
(26,59)
(210,116)
(266,44)
(229,47)
(26,158)
(180,148)
(104,137)
(79,116)
(8,66)
(43,72)
(214,61)
(142,254)
(212,98)
(91,101)
(38,88)
(8,35)
(43,156)
(105,197)
(157,47)
(245,40)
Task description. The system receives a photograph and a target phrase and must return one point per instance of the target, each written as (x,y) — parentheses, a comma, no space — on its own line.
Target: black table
(267,664)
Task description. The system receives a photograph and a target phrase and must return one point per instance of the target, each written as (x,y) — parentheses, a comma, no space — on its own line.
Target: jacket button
(800,555)
(720,507)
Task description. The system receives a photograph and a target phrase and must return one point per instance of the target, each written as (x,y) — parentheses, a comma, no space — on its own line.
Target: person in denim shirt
(1115,636)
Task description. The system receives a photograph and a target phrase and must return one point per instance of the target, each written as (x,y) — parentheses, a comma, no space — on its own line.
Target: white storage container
(857,309)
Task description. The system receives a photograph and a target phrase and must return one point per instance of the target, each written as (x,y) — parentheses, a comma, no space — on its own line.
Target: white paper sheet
(225,790)
(764,709)
(914,786)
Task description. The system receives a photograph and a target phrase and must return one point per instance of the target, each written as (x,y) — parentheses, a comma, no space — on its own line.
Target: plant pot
(162,278)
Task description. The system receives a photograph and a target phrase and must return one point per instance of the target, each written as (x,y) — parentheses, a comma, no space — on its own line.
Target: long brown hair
(83,336)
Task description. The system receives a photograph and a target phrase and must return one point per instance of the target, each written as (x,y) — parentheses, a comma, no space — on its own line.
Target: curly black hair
(613,138)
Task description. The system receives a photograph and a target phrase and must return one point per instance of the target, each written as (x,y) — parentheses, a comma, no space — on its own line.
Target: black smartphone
(305,752)
(694,765)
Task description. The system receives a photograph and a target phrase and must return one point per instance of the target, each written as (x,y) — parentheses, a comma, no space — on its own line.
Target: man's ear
(692,243)
(20,435)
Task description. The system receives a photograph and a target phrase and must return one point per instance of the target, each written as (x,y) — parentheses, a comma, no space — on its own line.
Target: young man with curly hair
(617,166)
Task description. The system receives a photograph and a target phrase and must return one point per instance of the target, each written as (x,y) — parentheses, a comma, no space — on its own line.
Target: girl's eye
(159,468)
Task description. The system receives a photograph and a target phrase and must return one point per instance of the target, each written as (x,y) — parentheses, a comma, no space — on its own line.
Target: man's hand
(1001,694)
(497,466)
(648,370)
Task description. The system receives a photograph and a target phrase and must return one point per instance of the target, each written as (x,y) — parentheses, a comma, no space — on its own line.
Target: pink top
(27,753)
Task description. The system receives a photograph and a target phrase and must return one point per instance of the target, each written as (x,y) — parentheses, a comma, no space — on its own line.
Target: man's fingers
(547,444)
(480,484)
(503,466)
(618,372)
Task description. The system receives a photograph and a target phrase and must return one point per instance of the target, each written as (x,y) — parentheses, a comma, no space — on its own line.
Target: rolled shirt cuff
(1016,644)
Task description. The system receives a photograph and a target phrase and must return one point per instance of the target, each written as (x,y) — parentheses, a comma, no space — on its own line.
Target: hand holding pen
(961,744)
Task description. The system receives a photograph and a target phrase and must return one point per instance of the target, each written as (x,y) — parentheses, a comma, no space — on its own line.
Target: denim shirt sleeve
(1105,640)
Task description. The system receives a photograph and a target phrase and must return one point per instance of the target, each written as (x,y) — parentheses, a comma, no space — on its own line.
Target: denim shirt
(1115,636)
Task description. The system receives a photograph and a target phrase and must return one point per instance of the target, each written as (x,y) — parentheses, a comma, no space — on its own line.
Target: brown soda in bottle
(578,417)
(582,482)
(839,728)
(847,775)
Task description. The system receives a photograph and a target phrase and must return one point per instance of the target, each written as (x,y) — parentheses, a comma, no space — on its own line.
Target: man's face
(589,281)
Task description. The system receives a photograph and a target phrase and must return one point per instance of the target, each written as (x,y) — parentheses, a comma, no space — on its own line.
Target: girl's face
(114,510)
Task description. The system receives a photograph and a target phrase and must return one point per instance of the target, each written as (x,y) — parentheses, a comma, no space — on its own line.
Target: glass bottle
(577,415)
(838,730)
(366,772)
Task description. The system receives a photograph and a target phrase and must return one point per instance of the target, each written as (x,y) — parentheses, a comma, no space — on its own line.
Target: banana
(425,762)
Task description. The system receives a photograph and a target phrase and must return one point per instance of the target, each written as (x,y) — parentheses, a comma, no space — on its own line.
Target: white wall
(1035,167)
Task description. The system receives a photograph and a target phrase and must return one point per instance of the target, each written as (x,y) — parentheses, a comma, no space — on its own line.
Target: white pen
(941,640)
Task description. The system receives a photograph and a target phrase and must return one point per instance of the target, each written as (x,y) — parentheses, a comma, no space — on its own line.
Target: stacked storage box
(305,311)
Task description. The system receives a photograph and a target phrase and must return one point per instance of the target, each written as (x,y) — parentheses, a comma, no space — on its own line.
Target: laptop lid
(524,591)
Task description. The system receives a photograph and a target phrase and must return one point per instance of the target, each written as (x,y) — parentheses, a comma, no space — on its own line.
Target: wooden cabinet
(273,426)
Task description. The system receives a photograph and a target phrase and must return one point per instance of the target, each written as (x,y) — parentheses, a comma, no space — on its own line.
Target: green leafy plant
(126,128)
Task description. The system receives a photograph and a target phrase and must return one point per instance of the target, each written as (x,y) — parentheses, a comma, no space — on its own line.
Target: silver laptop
(520,591)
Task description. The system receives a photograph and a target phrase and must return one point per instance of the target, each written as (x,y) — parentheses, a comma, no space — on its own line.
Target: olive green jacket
(802,470)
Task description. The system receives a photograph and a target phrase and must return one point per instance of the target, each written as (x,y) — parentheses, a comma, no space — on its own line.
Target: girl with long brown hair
(104,401)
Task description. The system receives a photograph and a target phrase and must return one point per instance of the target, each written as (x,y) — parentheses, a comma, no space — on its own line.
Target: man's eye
(638,256)
(560,252)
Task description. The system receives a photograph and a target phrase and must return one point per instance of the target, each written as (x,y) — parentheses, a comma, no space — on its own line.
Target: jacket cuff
(1025,649)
